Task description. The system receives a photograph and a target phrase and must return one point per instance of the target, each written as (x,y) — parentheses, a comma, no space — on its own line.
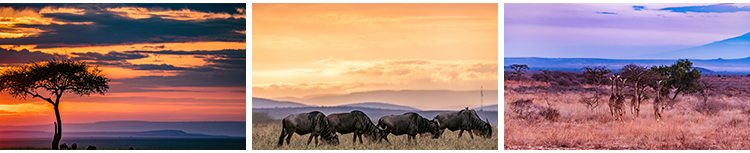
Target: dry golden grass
(266,136)
(581,128)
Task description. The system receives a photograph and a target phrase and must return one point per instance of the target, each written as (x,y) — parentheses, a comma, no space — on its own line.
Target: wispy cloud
(333,75)
(717,8)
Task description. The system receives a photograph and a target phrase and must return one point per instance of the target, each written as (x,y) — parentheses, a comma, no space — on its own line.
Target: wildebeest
(408,123)
(466,119)
(355,121)
(315,123)
(74,146)
(91,147)
(64,146)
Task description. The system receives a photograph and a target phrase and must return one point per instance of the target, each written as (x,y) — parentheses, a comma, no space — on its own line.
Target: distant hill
(226,128)
(487,108)
(382,106)
(419,99)
(143,134)
(741,65)
(267,103)
(737,47)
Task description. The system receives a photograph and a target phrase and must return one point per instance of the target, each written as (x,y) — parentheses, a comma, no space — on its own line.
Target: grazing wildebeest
(408,123)
(64,146)
(355,121)
(91,147)
(74,146)
(315,123)
(466,119)
(131,148)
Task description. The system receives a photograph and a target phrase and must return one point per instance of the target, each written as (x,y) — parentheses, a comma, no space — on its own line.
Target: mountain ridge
(735,47)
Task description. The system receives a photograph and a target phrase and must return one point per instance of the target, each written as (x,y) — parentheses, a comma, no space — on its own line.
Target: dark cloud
(156,67)
(111,56)
(24,56)
(230,8)
(225,68)
(611,13)
(211,78)
(638,8)
(109,28)
(153,47)
(717,8)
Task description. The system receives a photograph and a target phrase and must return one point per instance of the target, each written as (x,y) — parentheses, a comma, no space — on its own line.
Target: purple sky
(622,31)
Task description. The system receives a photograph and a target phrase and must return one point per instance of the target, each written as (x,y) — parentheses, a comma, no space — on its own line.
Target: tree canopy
(680,76)
(520,70)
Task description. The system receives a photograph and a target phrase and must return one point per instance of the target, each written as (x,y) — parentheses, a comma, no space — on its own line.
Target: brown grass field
(683,126)
(266,136)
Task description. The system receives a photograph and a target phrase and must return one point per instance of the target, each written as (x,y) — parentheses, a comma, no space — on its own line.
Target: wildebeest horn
(488,120)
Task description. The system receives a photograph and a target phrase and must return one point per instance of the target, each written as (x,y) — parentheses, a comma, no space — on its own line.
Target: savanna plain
(544,115)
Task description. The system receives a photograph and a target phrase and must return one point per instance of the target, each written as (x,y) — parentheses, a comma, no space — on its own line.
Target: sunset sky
(301,50)
(618,30)
(167,62)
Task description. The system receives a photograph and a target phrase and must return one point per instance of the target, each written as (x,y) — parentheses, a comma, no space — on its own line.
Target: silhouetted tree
(520,70)
(50,80)
(596,74)
(681,76)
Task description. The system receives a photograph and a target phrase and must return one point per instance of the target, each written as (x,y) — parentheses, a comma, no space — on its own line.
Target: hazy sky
(617,30)
(167,62)
(308,49)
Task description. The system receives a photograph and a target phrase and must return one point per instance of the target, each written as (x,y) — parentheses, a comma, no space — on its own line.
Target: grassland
(266,136)
(720,123)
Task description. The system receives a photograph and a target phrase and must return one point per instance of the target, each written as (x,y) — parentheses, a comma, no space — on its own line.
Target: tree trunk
(58,130)
(676,93)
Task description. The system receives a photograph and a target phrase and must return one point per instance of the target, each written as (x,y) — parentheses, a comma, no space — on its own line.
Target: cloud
(157,67)
(24,56)
(224,68)
(717,8)
(153,47)
(638,8)
(434,70)
(111,56)
(98,26)
(612,13)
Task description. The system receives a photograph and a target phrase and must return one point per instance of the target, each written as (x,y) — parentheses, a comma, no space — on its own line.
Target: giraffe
(612,96)
(635,103)
(657,102)
(620,102)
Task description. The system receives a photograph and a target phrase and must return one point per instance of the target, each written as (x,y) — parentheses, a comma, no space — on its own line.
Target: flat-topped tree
(520,70)
(49,80)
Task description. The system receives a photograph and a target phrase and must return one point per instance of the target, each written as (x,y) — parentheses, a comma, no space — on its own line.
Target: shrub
(259,117)
(709,108)
(550,114)
(522,108)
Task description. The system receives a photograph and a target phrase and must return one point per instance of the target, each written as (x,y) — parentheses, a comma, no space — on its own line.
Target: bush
(709,108)
(550,114)
(523,108)
(263,118)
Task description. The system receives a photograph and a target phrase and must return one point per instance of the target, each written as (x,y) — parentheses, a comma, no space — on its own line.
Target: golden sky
(307,49)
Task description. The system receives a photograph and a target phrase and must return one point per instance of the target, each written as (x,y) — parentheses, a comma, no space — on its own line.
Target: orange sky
(136,68)
(308,49)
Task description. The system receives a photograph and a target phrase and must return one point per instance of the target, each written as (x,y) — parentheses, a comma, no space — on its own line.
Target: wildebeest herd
(317,124)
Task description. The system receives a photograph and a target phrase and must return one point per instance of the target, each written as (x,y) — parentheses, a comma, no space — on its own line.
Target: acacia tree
(50,80)
(520,70)
(681,76)
(641,77)
(596,73)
